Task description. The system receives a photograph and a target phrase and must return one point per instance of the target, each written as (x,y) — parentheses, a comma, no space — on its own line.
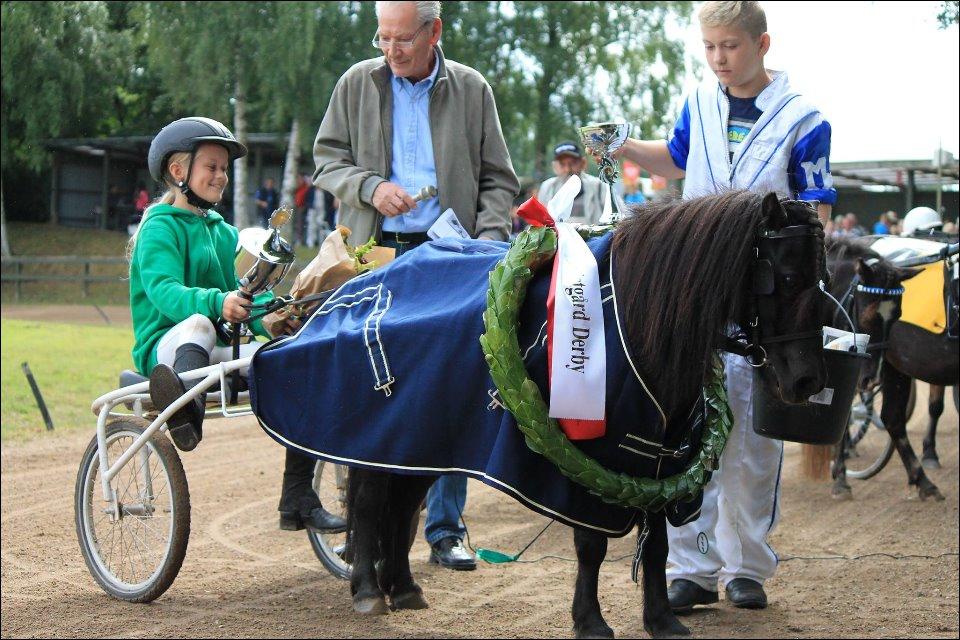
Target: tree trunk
(290,165)
(545,86)
(241,201)
(3,224)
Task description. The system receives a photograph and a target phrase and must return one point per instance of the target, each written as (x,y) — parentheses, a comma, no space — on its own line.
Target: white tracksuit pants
(741,503)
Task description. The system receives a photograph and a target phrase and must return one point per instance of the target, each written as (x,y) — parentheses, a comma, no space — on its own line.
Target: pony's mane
(841,249)
(678,271)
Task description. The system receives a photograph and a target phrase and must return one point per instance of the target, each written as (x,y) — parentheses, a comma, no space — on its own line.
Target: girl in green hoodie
(182,279)
(182,274)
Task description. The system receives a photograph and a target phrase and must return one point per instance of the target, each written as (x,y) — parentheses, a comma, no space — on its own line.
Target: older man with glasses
(395,124)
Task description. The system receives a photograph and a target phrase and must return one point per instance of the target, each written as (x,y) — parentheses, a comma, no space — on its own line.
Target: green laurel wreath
(521,396)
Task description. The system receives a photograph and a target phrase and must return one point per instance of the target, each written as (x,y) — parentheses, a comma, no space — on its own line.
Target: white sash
(578,381)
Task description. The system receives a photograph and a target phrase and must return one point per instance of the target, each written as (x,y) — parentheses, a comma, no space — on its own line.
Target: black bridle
(850,304)
(761,306)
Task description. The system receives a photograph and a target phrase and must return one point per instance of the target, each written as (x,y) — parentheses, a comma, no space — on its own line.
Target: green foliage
(72,364)
(556,65)
(949,13)
(80,69)
(60,67)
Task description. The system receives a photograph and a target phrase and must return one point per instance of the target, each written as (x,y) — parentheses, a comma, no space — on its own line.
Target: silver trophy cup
(601,139)
(263,257)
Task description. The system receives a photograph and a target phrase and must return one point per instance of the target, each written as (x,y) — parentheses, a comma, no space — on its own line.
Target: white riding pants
(198,330)
(741,503)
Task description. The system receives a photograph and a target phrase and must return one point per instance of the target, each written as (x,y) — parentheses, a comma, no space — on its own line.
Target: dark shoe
(451,553)
(746,594)
(685,594)
(318,519)
(184,425)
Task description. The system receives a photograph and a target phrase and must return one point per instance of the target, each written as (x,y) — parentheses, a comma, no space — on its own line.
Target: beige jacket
(354,145)
(594,195)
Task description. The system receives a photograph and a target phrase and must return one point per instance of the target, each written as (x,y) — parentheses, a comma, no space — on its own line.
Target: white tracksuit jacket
(787,151)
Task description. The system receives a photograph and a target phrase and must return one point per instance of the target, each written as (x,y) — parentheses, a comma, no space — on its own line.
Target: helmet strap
(192,197)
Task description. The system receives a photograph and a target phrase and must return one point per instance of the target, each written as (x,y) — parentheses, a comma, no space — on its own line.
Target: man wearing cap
(568,160)
(395,124)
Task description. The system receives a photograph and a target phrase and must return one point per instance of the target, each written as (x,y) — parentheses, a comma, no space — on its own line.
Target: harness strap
(793,336)
(880,291)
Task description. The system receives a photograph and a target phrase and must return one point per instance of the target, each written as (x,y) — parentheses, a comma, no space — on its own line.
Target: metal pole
(939,176)
(911,187)
(38,396)
(105,191)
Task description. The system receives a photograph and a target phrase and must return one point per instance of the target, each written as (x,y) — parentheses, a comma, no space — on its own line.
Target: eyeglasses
(380,43)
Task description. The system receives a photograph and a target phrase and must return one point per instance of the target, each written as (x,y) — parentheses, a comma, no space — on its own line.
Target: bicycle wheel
(330,483)
(869,447)
(136,556)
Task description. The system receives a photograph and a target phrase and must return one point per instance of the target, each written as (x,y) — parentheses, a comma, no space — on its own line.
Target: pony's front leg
(588,622)
(396,580)
(658,618)
(841,488)
(935,408)
(367,500)
(896,392)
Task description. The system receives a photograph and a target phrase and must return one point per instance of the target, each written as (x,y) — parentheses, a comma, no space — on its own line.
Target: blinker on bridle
(763,285)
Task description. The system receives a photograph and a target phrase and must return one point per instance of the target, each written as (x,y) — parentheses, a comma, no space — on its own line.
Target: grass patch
(72,364)
(38,239)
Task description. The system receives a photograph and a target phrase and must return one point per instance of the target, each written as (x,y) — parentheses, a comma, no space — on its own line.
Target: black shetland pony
(684,270)
(906,352)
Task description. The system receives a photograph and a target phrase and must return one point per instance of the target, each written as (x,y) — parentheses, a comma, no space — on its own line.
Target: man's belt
(406,238)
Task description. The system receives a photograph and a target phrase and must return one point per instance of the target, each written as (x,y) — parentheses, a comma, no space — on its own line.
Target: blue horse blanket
(388,374)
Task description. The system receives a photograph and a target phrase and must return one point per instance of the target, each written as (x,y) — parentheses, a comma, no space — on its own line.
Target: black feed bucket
(823,419)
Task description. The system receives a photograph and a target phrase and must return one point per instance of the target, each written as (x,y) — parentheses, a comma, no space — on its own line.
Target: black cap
(568,148)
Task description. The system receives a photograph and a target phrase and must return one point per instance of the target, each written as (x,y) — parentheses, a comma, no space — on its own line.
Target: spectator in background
(267,201)
(884,224)
(331,206)
(568,160)
(632,194)
(850,227)
(141,198)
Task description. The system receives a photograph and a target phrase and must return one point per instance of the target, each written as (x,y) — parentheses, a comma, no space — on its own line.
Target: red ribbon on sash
(537,215)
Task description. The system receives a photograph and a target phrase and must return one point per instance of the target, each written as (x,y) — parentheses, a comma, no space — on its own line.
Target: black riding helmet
(186,134)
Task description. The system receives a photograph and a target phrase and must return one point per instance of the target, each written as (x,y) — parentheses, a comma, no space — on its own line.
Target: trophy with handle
(601,139)
(263,258)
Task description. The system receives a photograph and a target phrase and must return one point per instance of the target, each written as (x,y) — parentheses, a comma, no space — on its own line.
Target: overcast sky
(883,73)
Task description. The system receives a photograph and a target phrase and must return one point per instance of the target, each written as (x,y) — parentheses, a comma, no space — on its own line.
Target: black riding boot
(186,425)
(299,505)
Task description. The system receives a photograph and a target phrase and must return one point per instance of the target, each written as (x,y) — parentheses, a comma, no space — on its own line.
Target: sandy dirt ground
(242,577)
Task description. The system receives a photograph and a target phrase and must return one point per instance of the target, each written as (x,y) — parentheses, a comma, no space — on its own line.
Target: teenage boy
(746,129)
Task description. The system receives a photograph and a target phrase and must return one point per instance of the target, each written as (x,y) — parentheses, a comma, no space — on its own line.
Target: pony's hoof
(371,606)
(667,628)
(931,492)
(409,600)
(601,630)
(841,492)
(931,463)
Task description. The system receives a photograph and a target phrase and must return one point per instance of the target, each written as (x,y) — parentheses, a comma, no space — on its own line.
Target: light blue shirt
(413,165)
